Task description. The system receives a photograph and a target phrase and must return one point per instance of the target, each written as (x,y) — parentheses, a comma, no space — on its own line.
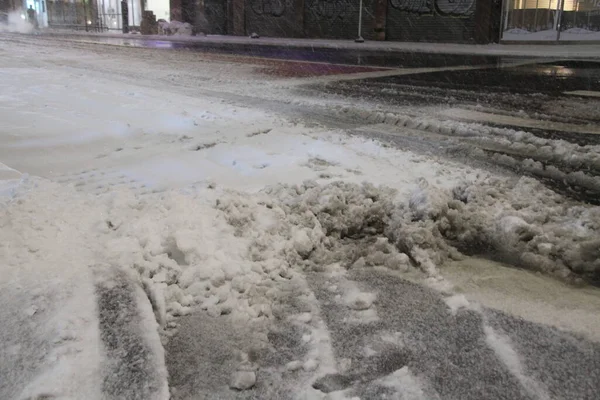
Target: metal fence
(91,15)
(110,20)
(110,16)
(551,20)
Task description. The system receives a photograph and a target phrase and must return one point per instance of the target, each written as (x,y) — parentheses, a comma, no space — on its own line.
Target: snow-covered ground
(171,239)
(573,34)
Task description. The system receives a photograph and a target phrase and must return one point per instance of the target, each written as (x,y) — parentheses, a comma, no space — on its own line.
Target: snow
(175,28)
(573,34)
(243,380)
(506,353)
(156,149)
(48,249)
(456,302)
(477,216)
(143,208)
(406,385)
(61,333)
(360,301)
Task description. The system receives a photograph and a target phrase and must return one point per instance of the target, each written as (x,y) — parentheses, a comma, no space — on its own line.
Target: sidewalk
(571,51)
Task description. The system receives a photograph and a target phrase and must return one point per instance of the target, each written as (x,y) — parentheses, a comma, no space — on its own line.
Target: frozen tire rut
(134,358)
(209,355)
(355,246)
(103,180)
(568,168)
(445,354)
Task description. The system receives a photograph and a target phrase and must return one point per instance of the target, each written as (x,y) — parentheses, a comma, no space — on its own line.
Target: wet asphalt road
(541,90)
(546,77)
(371,58)
(498,74)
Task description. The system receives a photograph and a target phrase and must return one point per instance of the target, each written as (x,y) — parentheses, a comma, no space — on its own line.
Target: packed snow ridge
(233,253)
(569,167)
(225,251)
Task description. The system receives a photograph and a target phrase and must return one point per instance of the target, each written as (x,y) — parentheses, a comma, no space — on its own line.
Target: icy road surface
(174,227)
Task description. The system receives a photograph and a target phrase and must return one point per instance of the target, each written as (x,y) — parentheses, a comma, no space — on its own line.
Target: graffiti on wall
(455,7)
(330,9)
(442,7)
(413,6)
(272,8)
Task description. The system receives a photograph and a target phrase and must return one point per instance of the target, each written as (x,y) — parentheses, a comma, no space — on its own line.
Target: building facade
(458,21)
(551,20)
(462,21)
(90,15)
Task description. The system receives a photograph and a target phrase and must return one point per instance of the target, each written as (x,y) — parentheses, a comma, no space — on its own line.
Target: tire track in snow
(454,353)
(555,364)
(510,358)
(100,181)
(287,351)
(135,366)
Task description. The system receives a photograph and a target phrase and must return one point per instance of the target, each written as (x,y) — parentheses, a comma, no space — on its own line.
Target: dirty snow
(114,229)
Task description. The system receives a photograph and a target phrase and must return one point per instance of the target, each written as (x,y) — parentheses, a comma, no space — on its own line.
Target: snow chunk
(310,365)
(456,302)
(359,300)
(302,243)
(243,380)
(293,365)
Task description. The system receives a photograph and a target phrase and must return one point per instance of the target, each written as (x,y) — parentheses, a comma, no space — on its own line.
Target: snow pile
(518,221)
(339,223)
(521,222)
(559,162)
(580,31)
(233,253)
(568,155)
(176,28)
(227,252)
(190,252)
(517,31)
(221,251)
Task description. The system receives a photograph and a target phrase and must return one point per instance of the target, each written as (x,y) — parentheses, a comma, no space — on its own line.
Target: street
(250,224)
